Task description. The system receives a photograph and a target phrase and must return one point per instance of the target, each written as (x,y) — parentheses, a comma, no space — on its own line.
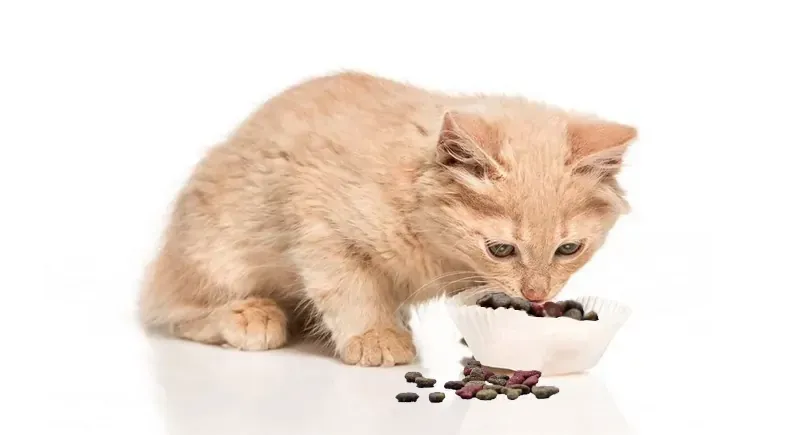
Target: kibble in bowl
(505,334)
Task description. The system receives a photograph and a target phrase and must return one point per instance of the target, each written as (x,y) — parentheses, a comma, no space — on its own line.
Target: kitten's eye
(501,250)
(570,248)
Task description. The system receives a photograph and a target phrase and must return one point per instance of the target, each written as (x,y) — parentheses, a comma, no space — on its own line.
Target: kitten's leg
(248,324)
(183,302)
(360,310)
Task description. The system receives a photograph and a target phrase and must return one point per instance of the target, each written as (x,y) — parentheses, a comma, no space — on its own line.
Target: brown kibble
(477,372)
(591,316)
(513,393)
(425,382)
(472,378)
(411,376)
(521,387)
(573,314)
(572,305)
(486,394)
(552,309)
(537,310)
(437,397)
(497,388)
(497,381)
(407,397)
(544,392)
(495,300)
(453,385)
(520,304)
(471,362)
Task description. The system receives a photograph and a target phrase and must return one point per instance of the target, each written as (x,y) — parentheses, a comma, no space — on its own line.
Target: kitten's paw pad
(254,324)
(379,347)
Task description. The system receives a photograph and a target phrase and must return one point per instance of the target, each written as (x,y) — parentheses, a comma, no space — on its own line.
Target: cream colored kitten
(352,195)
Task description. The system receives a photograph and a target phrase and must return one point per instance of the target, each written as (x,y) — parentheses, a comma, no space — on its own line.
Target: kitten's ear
(598,146)
(467,141)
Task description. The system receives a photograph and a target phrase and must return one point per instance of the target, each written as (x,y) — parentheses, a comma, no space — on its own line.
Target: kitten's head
(524,195)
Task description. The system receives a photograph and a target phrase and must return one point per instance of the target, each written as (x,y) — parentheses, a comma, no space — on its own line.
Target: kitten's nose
(534,295)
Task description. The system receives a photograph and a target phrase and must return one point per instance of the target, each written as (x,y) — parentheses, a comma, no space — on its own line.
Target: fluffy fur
(348,196)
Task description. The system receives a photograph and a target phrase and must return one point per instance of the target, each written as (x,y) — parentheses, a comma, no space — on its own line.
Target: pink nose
(534,296)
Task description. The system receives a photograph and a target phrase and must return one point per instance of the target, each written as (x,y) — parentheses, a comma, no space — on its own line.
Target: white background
(106,106)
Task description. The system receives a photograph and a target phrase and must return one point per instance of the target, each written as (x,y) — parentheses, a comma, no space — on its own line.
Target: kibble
(537,310)
(513,393)
(567,308)
(471,362)
(544,392)
(573,313)
(469,390)
(477,372)
(531,381)
(497,381)
(572,305)
(472,378)
(497,388)
(524,389)
(520,383)
(425,382)
(495,300)
(553,309)
(519,376)
(437,397)
(453,385)
(407,397)
(486,394)
(411,376)
(591,316)
(520,304)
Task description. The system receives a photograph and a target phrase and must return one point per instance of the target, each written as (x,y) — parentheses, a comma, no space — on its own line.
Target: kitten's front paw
(379,347)
(254,324)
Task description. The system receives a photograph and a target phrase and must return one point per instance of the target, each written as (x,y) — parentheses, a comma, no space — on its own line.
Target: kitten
(353,195)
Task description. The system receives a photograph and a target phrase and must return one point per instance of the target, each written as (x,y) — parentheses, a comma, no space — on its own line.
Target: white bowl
(510,339)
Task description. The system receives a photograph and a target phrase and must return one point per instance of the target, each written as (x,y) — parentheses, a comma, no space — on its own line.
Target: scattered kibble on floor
(453,385)
(407,397)
(519,383)
(411,376)
(543,392)
(425,382)
(568,308)
(437,397)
